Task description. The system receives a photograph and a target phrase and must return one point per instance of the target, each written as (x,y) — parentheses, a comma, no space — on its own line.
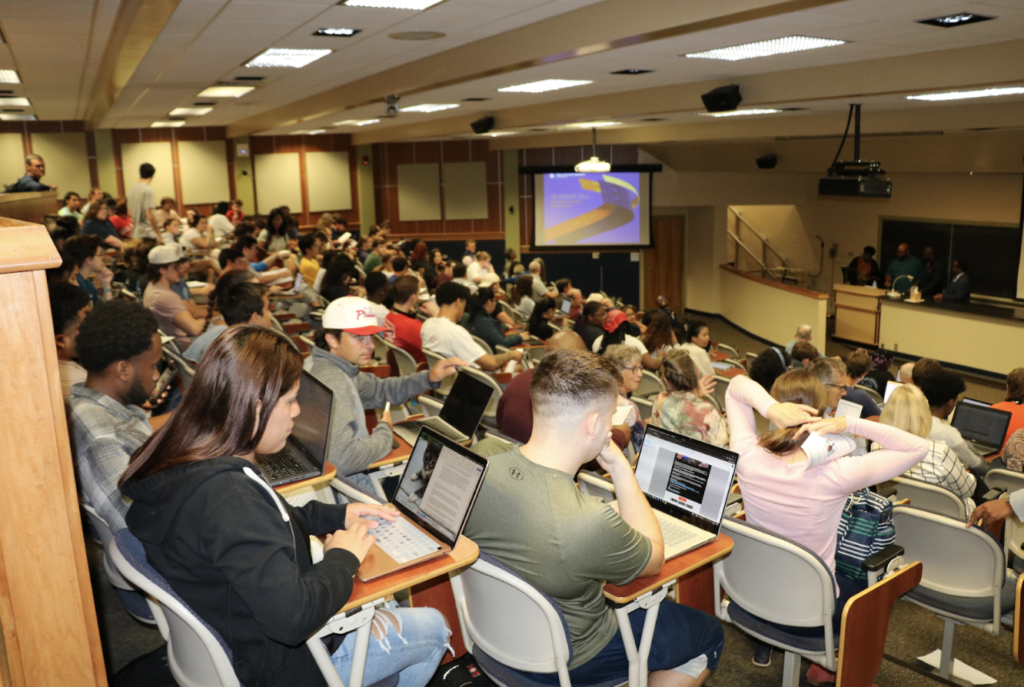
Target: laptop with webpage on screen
(435,496)
(305,453)
(984,429)
(461,414)
(687,484)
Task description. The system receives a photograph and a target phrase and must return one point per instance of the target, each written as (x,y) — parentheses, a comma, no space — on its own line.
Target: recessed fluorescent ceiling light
(392,4)
(286,57)
(492,134)
(543,86)
(593,125)
(737,113)
(166,125)
(225,91)
(428,108)
(189,111)
(9,76)
(949,21)
(964,95)
(356,122)
(16,101)
(336,32)
(314,132)
(17,118)
(633,71)
(776,46)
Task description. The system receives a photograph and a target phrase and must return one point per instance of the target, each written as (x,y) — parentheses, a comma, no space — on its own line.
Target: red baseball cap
(613,320)
(353,315)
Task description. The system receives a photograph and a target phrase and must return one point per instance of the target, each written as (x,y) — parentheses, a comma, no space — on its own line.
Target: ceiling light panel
(776,46)
(9,76)
(286,57)
(17,118)
(225,91)
(190,111)
(544,86)
(738,113)
(167,125)
(428,108)
(16,101)
(593,125)
(336,32)
(966,95)
(356,122)
(392,4)
(952,20)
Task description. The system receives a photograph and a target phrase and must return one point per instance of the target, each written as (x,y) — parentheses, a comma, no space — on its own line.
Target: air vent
(466,100)
(249,78)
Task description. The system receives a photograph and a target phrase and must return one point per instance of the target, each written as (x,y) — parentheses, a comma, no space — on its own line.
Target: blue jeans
(413,649)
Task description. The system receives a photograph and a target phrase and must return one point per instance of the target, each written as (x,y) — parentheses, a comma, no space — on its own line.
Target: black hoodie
(221,540)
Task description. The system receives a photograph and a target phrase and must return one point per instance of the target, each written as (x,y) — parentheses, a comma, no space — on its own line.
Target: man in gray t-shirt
(531,517)
(142,204)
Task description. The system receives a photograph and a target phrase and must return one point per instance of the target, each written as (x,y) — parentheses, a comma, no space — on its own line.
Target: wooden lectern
(858,312)
(50,634)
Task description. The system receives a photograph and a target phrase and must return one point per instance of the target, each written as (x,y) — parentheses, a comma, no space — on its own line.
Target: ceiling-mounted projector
(858,178)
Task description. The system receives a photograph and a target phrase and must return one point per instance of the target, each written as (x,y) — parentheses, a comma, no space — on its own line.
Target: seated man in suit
(959,288)
(530,488)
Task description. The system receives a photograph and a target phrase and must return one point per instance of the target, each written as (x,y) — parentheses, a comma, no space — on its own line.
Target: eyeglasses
(838,386)
(634,369)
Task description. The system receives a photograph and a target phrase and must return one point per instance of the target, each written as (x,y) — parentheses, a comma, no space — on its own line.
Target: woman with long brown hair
(796,479)
(522,296)
(235,551)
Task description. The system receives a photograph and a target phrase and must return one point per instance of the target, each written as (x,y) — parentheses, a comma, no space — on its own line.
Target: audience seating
(185,371)
(875,396)
(645,406)
(433,359)
(650,385)
(965,581)
(927,496)
(490,418)
(134,602)
(733,362)
(591,483)
(510,311)
(1013,531)
(750,358)
(380,349)
(482,344)
(431,406)
(732,352)
(403,359)
(719,392)
(769,577)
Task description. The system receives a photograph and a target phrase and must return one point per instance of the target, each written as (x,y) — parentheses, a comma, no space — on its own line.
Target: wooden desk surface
(731,372)
(330,472)
(382,371)
(718,356)
(673,569)
(464,553)
(397,455)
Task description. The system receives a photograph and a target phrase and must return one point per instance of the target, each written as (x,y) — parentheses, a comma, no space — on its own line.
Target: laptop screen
(984,425)
(312,428)
(685,478)
(466,403)
(440,484)
(890,387)
(564,304)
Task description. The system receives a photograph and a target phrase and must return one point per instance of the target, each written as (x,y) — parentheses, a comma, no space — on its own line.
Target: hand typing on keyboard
(371,515)
(355,539)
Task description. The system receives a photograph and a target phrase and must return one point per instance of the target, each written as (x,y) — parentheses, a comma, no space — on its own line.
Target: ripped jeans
(407,641)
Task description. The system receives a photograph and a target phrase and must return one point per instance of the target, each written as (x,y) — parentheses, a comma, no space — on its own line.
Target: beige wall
(756,307)
(67,163)
(12,158)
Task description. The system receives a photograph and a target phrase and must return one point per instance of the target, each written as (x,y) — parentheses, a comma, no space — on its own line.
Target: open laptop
(890,386)
(984,429)
(305,453)
(969,401)
(687,483)
(435,496)
(463,409)
(564,306)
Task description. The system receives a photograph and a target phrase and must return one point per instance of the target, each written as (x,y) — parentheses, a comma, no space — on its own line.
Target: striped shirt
(942,468)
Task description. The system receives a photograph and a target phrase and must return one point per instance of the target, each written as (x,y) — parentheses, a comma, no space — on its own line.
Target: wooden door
(663,264)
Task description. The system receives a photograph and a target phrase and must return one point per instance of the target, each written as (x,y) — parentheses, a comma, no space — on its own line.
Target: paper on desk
(960,669)
(848,409)
(721,366)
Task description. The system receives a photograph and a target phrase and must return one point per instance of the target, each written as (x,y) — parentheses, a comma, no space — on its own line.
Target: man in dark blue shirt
(934,277)
(35,168)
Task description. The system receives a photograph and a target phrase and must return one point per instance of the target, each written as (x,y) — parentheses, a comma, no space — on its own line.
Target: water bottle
(874,284)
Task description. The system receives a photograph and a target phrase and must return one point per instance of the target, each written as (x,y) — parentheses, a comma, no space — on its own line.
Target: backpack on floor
(865,529)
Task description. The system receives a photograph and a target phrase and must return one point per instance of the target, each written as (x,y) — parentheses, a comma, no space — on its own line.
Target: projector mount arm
(855,167)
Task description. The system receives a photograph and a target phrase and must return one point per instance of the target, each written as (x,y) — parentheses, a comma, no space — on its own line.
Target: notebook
(305,453)
(983,428)
(461,414)
(435,497)
(687,483)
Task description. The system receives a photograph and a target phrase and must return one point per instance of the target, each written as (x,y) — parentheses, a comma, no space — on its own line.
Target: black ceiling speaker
(767,161)
(722,99)
(482,126)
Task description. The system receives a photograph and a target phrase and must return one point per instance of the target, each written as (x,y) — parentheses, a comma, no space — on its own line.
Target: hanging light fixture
(594,164)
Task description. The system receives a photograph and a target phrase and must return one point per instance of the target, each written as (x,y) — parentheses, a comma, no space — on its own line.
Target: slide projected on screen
(601,209)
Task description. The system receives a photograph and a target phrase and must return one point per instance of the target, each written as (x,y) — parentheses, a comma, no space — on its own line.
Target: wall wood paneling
(204,171)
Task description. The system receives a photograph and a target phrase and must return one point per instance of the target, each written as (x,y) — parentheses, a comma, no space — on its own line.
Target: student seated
(698,344)
(171,312)
(769,366)
(803,354)
(68,307)
(377,289)
(540,288)
(858,364)
(792,485)
(1014,403)
(943,389)
(627,361)
(87,252)
(97,223)
(530,487)
(832,374)
(459,277)
(659,337)
(119,346)
(521,297)
(616,331)
(480,319)
(879,376)
(444,336)
(538,324)
(309,248)
(345,342)
(922,369)
(287,270)
(683,409)
(197,237)
(243,303)
(404,330)
(215,324)
(803,333)
(907,409)
(236,552)
(590,324)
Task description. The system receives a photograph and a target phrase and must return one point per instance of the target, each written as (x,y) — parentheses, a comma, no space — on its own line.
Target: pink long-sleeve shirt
(801,503)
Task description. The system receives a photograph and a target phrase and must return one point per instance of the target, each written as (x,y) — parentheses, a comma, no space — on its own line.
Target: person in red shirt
(1014,402)
(235,214)
(406,334)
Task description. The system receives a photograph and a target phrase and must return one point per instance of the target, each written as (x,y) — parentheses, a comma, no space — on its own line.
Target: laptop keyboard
(401,540)
(674,534)
(281,465)
(441,427)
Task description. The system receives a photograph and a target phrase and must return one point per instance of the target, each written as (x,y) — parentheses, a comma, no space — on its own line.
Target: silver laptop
(983,428)
(305,453)
(687,483)
(435,496)
(459,417)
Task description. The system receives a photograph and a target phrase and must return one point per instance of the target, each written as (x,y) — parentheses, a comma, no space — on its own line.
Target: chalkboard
(992,253)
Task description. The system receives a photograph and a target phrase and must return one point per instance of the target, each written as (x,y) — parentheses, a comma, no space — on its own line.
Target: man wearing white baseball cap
(170,310)
(345,342)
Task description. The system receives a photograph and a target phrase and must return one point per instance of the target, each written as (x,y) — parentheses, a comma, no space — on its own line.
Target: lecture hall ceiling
(128,63)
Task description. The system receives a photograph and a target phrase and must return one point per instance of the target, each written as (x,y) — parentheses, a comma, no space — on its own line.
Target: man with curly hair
(119,346)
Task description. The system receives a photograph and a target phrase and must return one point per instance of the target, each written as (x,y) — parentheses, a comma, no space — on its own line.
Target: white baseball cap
(353,315)
(166,254)
(489,279)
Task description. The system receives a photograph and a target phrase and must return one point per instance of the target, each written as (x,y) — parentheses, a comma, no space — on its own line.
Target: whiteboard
(204,172)
(419,192)
(277,182)
(157,154)
(328,181)
(67,162)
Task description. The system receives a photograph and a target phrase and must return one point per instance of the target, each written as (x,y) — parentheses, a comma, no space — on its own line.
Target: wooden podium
(858,313)
(50,634)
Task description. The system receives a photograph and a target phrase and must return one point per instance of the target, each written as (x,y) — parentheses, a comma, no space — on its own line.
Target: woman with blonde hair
(683,408)
(907,409)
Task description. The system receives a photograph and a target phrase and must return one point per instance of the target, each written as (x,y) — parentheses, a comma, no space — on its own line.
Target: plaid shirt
(942,468)
(104,435)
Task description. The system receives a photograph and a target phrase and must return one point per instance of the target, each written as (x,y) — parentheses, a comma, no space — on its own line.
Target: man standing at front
(531,517)
(904,271)
(142,205)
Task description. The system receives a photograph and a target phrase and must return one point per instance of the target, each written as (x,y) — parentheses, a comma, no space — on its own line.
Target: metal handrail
(762,237)
(742,245)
